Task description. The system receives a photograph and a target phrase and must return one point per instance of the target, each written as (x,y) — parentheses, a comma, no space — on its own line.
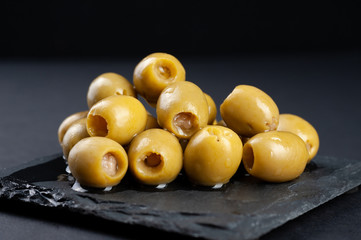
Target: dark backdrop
(123,28)
(323,85)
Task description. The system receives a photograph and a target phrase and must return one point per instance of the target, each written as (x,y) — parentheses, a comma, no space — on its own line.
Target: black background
(135,28)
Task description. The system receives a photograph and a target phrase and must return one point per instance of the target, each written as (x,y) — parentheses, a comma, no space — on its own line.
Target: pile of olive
(118,134)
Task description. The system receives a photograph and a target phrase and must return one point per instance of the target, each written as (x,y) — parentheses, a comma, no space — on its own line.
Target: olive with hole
(154,72)
(117,117)
(108,84)
(67,122)
(98,162)
(182,109)
(212,156)
(155,157)
(302,128)
(275,156)
(248,110)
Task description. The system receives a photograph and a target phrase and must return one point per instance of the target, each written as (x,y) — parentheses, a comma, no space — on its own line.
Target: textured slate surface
(246,208)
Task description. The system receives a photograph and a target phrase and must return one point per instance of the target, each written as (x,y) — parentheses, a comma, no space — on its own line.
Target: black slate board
(245,208)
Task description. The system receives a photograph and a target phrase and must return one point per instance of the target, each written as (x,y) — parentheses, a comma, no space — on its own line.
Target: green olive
(248,111)
(108,84)
(212,108)
(117,117)
(67,122)
(75,133)
(154,73)
(275,156)
(98,162)
(213,155)
(155,157)
(302,128)
(182,109)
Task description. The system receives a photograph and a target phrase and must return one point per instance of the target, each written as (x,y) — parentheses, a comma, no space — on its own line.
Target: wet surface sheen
(245,208)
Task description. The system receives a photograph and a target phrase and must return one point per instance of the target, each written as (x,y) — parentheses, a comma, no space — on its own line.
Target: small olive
(275,156)
(302,128)
(67,122)
(75,133)
(212,155)
(155,157)
(152,122)
(212,108)
(98,162)
(153,73)
(108,84)
(248,110)
(117,117)
(182,109)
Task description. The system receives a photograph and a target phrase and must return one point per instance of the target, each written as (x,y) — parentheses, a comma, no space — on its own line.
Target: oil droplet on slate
(218,186)
(161,186)
(76,187)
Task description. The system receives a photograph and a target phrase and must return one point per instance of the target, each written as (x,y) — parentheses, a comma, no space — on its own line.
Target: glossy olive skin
(248,110)
(98,162)
(108,84)
(117,117)
(154,73)
(212,156)
(212,109)
(182,109)
(155,157)
(302,128)
(67,122)
(75,133)
(275,156)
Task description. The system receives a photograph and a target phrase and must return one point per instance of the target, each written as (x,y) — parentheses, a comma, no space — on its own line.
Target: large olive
(155,157)
(154,73)
(275,156)
(98,162)
(248,110)
(117,117)
(108,84)
(182,109)
(212,155)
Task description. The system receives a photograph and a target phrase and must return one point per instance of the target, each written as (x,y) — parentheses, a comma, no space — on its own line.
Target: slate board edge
(149,222)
